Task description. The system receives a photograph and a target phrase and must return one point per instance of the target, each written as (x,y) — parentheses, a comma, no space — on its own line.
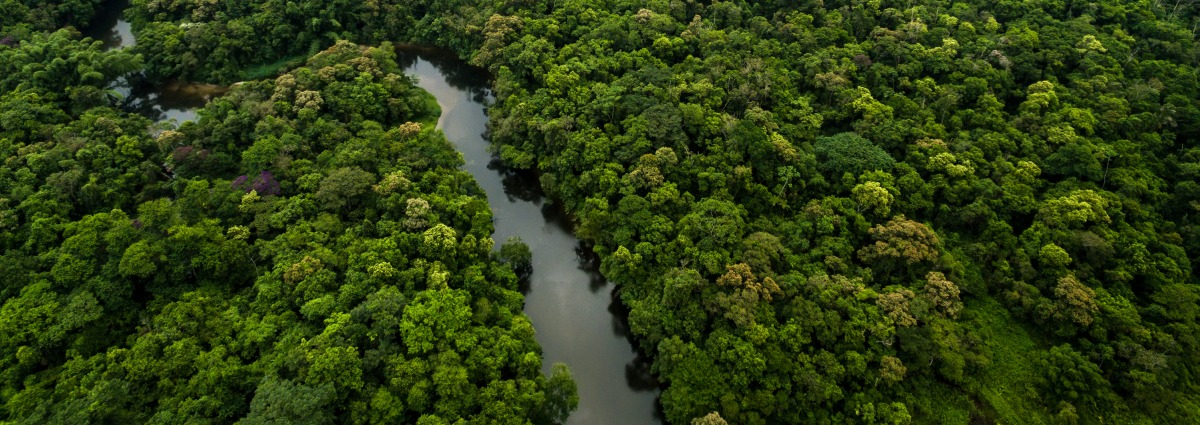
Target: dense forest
(17,17)
(817,212)
(308,251)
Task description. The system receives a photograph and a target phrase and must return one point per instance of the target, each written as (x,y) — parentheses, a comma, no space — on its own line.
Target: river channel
(578,320)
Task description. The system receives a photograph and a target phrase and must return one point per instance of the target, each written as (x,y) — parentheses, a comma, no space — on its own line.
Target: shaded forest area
(820,212)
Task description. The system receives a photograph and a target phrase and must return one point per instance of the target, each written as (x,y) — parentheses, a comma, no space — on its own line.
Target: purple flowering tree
(265,184)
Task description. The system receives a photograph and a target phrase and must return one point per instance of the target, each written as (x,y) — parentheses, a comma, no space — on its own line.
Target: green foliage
(278,401)
(303,253)
(226,42)
(57,68)
(1071,378)
(342,187)
(23,15)
(821,212)
(273,69)
(850,153)
(517,255)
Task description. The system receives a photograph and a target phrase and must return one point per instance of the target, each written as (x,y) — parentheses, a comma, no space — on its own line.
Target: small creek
(578,320)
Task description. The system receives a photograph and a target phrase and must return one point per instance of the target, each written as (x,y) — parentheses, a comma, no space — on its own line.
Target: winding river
(578,320)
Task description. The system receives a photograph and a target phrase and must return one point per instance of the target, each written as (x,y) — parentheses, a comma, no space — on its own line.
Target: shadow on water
(589,262)
(638,376)
(518,184)
(108,27)
(637,373)
(553,215)
(169,100)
